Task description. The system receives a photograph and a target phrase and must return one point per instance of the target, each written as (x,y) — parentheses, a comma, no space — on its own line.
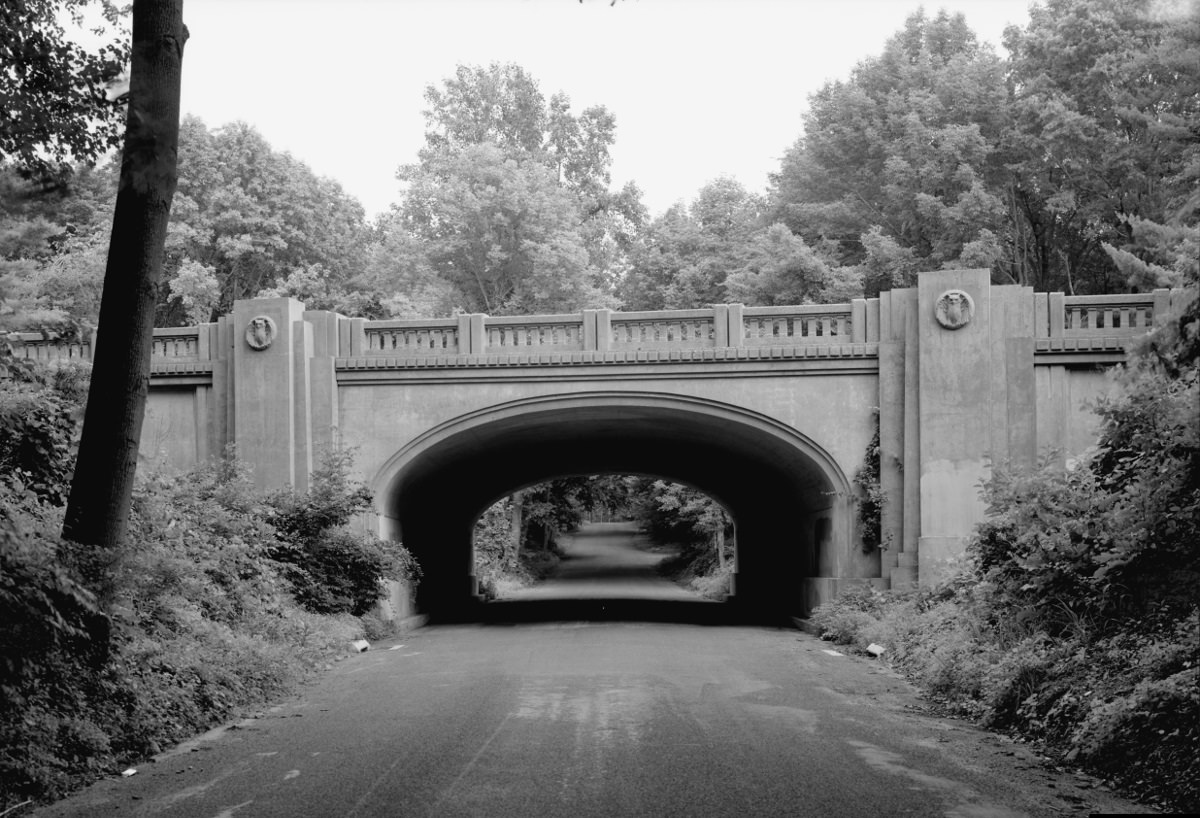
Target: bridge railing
(1062,322)
(674,329)
(1107,314)
(435,337)
(530,333)
(181,343)
(724,325)
(812,324)
(48,348)
(1064,319)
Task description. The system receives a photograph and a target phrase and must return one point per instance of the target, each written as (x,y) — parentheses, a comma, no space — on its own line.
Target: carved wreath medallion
(260,332)
(954,309)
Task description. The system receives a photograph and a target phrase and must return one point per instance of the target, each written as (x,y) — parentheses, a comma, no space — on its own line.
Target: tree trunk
(516,529)
(720,543)
(97,511)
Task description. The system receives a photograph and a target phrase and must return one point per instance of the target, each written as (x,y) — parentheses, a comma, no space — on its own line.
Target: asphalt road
(618,717)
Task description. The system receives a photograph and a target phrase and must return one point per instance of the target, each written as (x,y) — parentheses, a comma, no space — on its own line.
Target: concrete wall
(174,432)
(382,418)
(953,390)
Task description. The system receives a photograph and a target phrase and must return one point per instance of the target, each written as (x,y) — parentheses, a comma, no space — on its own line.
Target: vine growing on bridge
(870,503)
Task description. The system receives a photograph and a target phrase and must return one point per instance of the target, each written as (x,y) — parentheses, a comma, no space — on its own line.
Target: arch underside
(782,490)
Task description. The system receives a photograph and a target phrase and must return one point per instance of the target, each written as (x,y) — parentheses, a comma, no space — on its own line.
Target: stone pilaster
(956,365)
(264,335)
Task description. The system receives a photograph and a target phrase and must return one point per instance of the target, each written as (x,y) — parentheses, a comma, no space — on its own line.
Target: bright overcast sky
(699,88)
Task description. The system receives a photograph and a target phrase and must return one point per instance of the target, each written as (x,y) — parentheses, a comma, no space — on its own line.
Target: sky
(699,88)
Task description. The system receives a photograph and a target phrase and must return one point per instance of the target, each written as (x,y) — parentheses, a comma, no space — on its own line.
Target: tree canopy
(1071,163)
(56,109)
(1043,167)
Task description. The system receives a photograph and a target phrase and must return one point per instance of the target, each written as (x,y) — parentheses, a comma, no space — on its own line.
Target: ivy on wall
(870,504)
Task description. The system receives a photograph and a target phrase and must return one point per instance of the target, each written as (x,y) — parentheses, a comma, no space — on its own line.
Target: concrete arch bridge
(768,409)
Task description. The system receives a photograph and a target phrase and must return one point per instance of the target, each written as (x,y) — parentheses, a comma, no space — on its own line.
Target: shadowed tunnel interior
(773,483)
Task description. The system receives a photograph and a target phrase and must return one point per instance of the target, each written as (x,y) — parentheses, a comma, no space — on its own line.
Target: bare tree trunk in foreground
(98,508)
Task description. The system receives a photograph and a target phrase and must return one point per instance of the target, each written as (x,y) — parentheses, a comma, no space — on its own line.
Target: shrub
(198,624)
(39,415)
(331,569)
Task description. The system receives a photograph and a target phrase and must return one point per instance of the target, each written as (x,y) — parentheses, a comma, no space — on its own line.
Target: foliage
(56,109)
(331,568)
(515,538)
(680,516)
(510,199)
(501,231)
(109,657)
(1043,167)
(197,624)
(686,254)
(39,420)
(906,146)
(501,566)
(53,247)
(870,504)
(1102,134)
(246,218)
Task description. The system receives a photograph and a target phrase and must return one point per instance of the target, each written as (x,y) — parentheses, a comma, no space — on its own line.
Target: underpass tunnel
(791,506)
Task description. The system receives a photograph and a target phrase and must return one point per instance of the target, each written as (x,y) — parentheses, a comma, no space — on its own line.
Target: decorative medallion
(954,309)
(260,332)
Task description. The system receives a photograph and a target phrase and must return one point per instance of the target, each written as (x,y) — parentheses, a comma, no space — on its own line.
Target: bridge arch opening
(604,537)
(791,502)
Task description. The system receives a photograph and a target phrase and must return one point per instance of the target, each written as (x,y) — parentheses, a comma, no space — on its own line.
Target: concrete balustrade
(1106,314)
(182,342)
(50,348)
(1062,323)
(436,337)
(525,333)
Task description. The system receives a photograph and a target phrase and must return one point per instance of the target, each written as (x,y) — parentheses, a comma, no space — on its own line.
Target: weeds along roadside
(1074,621)
(222,598)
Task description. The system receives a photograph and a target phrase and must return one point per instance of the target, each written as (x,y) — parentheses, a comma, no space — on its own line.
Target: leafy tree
(492,126)
(685,255)
(39,424)
(56,111)
(397,279)
(678,515)
(252,219)
(1104,136)
(331,568)
(905,147)
(53,245)
(779,268)
(502,105)
(500,230)
(663,251)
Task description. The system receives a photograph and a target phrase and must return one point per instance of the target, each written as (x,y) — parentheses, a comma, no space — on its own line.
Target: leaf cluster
(55,109)
(191,622)
(331,568)
(870,504)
